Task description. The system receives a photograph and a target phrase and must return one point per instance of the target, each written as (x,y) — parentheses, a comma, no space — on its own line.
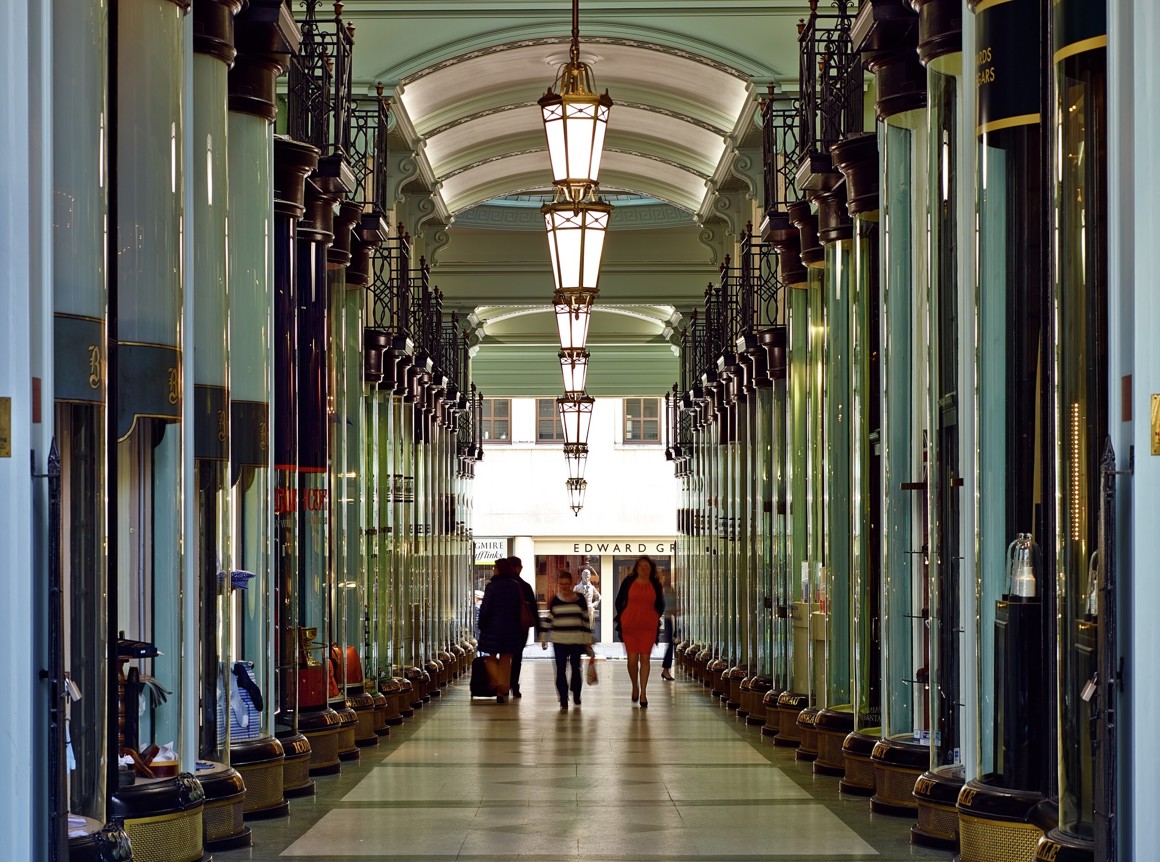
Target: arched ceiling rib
(479,129)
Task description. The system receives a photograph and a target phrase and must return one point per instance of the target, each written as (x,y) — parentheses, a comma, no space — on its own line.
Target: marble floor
(472,780)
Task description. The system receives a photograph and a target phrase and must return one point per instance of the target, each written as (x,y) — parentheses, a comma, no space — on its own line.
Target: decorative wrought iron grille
(830,79)
(780,123)
(389,294)
(320,81)
(760,288)
(368,152)
(692,349)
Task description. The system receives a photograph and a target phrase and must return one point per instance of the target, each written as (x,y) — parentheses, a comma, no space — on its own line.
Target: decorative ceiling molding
(542,34)
(653,216)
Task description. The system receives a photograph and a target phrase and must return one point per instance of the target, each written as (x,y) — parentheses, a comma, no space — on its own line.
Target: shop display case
(865,498)
(1081,427)
(297,673)
(937,788)
(81,623)
(809,615)
(156,588)
(900,756)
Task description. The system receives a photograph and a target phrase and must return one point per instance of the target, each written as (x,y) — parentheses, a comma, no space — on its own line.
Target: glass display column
(159,798)
(212,546)
(857,157)
(834,719)
(254,750)
(787,697)
(349,607)
(1080,301)
(900,756)
(298,679)
(80,297)
(1000,812)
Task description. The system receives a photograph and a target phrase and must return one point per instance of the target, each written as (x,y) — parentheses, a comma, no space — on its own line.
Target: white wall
(519,487)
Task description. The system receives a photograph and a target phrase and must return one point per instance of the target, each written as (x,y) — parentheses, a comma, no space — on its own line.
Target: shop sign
(624,546)
(490,550)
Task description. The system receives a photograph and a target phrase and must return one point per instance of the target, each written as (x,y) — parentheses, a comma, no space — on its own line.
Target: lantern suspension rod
(574,52)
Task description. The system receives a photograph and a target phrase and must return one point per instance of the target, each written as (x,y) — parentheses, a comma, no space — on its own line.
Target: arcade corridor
(473,780)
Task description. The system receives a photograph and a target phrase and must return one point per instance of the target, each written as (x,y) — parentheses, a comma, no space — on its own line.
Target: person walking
(529,619)
(640,603)
(569,627)
(501,632)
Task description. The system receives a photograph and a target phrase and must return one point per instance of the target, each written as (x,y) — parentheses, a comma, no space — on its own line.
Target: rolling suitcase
(481,679)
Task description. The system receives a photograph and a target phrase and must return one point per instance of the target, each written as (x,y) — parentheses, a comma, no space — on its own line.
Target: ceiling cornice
(594,32)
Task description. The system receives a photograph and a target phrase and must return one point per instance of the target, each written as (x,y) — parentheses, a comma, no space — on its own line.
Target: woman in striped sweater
(569,627)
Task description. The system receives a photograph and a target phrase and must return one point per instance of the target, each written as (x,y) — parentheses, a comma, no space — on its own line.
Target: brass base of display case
(405,697)
(261,764)
(447,671)
(435,672)
(296,780)
(759,687)
(772,724)
(461,662)
(93,841)
(224,811)
(857,748)
(701,666)
(348,749)
(997,824)
(419,680)
(832,727)
(715,669)
(391,688)
(936,793)
(163,818)
(363,705)
(381,710)
(321,727)
(808,745)
(1058,846)
(731,681)
(789,707)
(898,763)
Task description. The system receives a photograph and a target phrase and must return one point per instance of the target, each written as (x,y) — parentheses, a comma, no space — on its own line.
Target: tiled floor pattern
(472,780)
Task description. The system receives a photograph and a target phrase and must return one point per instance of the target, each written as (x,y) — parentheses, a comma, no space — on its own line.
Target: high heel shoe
(666,676)
(643,703)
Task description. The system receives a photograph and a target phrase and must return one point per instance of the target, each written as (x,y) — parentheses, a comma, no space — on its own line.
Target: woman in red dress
(640,602)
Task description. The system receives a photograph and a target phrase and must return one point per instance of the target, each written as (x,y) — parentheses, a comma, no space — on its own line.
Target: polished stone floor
(475,780)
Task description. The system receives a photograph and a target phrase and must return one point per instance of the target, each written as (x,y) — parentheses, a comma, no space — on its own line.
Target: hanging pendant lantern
(575,123)
(576,417)
(576,489)
(574,367)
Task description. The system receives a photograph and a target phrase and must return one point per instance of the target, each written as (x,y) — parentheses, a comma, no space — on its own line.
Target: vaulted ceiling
(470,162)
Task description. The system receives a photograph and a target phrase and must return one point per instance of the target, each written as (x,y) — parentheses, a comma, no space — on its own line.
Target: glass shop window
(549,429)
(496,421)
(642,420)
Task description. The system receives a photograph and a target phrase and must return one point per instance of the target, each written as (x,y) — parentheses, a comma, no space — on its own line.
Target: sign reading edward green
(1007,63)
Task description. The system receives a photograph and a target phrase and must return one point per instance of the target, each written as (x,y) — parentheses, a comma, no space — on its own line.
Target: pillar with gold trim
(300,678)
(265,38)
(1003,810)
(79,36)
(1082,416)
(150,475)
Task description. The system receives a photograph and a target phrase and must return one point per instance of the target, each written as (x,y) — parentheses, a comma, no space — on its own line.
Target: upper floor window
(496,420)
(642,420)
(548,426)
